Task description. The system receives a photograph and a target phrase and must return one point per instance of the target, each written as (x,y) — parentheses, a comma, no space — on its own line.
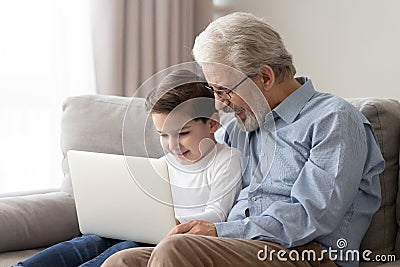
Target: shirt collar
(289,108)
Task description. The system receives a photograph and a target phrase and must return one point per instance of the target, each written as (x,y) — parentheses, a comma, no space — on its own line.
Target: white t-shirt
(208,188)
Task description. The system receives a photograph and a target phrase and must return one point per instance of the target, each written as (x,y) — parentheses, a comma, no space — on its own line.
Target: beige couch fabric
(36,221)
(8,259)
(384,116)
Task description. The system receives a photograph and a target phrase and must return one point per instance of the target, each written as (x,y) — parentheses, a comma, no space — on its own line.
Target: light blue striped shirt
(314,177)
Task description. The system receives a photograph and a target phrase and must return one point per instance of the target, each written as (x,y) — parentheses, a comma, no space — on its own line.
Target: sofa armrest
(37,220)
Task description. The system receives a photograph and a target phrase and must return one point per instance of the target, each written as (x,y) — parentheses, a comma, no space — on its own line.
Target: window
(45,52)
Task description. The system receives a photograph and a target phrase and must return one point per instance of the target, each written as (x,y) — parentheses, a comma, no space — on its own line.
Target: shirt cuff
(234,229)
(182,219)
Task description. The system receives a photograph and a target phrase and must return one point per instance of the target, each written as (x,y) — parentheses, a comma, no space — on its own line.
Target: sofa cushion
(11,258)
(36,220)
(398,215)
(96,123)
(375,264)
(384,116)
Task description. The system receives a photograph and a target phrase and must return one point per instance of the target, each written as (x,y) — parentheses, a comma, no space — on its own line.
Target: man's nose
(221,103)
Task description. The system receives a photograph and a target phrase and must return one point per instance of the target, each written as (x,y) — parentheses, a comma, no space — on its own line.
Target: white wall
(349,48)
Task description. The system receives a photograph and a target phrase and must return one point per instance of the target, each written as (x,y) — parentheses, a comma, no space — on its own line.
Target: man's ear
(267,77)
(214,122)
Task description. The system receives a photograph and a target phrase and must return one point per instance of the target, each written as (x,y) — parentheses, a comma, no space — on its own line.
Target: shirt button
(262,154)
(253,199)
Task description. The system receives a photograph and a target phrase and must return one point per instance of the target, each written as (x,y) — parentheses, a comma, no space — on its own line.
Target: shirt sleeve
(344,161)
(224,188)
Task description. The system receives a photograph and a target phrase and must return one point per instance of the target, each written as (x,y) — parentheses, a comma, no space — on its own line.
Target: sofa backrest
(383,236)
(96,123)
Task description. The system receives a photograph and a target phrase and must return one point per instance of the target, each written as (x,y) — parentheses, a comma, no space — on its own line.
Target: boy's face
(186,139)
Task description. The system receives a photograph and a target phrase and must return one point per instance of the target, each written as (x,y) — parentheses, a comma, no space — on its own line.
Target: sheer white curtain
(45,56)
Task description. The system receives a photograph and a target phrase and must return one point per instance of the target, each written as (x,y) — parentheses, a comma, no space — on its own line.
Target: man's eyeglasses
(225,92)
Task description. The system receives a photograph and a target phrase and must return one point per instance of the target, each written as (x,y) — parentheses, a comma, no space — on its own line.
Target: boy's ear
(214,122)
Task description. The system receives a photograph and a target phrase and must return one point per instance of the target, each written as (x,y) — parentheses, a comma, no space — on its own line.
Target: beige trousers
(194,250)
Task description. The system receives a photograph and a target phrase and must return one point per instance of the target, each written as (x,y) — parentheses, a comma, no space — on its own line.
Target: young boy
(205,176)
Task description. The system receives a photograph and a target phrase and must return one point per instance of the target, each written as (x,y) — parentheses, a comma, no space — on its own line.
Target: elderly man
(312,163)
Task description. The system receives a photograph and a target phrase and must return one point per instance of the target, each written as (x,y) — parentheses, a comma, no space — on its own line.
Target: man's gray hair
(245,42)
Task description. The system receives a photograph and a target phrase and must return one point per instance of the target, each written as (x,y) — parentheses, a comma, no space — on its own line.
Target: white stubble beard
(250,123)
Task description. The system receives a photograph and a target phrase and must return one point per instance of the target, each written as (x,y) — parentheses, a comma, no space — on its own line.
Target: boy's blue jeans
(84,251)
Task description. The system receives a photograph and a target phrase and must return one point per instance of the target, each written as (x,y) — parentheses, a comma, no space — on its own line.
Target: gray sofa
(94,123)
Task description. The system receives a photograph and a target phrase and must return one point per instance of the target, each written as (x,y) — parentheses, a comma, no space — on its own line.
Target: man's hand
(196,227)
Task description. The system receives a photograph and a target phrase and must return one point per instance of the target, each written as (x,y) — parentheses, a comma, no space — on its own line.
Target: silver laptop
(116,196)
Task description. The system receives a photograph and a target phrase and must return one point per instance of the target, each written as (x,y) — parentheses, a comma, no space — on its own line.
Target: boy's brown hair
(185,89)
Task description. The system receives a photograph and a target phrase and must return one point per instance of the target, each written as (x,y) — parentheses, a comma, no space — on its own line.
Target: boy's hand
(196,227)
(177,222)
